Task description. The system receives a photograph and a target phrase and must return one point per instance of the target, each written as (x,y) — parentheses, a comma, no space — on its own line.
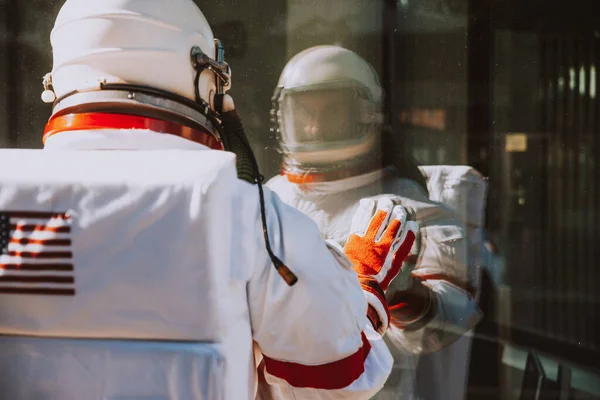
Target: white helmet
(134,53)
(327,69)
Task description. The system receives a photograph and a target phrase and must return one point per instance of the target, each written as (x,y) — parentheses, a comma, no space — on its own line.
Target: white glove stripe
(388,208)
(411,226)
(398,213)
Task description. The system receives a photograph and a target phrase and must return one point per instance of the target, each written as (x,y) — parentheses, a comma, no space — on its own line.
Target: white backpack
(463,189)
(114,277)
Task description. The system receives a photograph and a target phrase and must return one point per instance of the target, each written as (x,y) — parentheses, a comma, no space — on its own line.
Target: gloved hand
(380,239)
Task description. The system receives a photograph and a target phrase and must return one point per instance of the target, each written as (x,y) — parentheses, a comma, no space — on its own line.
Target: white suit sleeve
(315,337)
(450,308)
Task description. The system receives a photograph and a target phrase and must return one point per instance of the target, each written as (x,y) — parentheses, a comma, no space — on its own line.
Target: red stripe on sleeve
(334,375)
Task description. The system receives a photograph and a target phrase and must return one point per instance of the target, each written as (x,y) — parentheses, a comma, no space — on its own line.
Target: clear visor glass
(320,116)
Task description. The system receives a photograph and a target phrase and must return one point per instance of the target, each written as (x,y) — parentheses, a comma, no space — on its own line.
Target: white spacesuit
(135,263)
(327,116)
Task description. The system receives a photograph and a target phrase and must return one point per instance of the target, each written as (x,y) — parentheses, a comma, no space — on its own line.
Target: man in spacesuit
(144,81)
(327,114)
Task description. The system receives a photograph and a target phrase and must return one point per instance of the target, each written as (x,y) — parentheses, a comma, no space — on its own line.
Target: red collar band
(91,121)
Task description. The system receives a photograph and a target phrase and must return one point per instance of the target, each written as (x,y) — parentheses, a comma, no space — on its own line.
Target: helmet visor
(320,117)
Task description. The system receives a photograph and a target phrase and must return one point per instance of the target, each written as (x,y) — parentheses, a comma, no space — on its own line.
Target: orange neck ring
(92,121)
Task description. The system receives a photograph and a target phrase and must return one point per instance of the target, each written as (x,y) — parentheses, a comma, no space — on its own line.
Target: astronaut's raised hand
(380,240)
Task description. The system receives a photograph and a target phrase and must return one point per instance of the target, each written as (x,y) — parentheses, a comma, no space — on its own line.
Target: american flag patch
(35,253)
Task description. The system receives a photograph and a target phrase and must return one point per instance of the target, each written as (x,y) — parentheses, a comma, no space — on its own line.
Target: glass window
(506,87)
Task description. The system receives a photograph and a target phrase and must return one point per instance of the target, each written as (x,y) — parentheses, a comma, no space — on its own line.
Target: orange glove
(380,240)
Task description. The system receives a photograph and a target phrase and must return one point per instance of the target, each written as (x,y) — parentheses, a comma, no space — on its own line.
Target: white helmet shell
(130,41)
(326,66)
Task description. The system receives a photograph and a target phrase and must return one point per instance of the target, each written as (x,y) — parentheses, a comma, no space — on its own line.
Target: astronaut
(327,115)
